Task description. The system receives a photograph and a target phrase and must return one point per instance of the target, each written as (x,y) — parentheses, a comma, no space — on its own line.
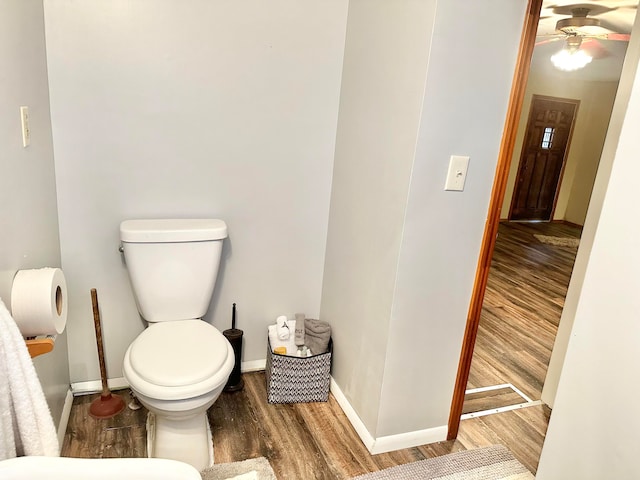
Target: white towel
(276,342)
(289,344)
(283,327)
(26,426)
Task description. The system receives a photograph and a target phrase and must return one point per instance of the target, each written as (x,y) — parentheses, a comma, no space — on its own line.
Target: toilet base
(187,440)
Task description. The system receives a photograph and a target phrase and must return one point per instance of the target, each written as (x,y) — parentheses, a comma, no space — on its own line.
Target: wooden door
(544,152)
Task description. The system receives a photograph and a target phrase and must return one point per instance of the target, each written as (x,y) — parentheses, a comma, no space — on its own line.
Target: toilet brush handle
(98,327)
(233,317)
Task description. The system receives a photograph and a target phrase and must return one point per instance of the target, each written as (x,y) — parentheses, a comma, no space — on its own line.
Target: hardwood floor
(306,441)
(121,436)
(315,441)
(522,307)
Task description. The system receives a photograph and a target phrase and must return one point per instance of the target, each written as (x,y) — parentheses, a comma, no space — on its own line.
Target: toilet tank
(173,265)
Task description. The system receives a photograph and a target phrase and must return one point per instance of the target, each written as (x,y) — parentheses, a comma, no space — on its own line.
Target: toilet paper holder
(39,346)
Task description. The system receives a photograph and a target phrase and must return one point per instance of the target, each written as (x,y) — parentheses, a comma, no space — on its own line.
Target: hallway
(522,307)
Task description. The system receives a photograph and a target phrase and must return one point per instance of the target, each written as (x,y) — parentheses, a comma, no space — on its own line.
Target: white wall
(463,113)
(573,205)
(198,108)
(593,430)
(28,216)
(382,89)
(402,252)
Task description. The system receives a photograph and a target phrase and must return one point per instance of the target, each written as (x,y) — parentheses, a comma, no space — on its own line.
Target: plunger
(107,405)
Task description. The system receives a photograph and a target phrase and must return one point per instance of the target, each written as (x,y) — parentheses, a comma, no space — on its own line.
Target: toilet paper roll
(39,301)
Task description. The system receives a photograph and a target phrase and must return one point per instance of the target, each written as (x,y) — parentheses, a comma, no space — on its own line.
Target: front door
(544,152)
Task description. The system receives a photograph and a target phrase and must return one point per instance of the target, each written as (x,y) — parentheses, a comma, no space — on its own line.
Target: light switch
(26,133)
(457,174)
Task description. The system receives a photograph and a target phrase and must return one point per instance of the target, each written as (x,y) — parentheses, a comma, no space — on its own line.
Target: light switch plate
(458,166)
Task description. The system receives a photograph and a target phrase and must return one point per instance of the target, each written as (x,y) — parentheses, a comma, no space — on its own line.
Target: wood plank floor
(123,436)
(523,303)
(310,441)
(306,441)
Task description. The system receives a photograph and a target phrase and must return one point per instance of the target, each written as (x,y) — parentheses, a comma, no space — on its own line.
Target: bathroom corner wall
(467,91)
(383,79)
(28,214)
(199,108)
(421,82)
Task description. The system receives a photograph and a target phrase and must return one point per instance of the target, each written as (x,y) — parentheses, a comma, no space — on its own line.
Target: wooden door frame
(565,155)
(507,145)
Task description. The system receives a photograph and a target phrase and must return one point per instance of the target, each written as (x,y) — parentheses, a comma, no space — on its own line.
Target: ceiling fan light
(568,61)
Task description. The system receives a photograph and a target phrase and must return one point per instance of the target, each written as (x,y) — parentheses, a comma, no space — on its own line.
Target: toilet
(179,364)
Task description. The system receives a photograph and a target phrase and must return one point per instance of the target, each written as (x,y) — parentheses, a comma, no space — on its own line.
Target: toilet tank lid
(172,230)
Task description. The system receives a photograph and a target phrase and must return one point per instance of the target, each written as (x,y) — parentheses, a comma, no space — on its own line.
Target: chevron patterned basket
(298,379)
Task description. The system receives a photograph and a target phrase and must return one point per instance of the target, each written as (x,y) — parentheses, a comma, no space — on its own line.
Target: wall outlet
(26,132)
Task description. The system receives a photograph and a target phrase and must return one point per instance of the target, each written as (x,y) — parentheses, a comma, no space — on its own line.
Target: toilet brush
(234,335)
(107,405)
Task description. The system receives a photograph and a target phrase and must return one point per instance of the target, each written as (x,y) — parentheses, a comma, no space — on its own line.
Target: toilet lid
(178,353)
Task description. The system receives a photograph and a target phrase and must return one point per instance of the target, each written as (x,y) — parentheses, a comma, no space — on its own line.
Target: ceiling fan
(584,28)
(584,22)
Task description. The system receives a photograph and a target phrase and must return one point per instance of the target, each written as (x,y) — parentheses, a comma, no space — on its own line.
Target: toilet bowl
(178,366)
(177,371)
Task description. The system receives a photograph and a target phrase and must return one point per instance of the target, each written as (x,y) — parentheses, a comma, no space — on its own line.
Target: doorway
(500,187)
(543,157)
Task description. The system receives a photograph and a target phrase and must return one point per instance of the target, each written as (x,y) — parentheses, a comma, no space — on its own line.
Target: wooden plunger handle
(96,323)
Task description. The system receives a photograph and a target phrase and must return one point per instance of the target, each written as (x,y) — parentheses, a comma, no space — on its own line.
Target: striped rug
(489,463)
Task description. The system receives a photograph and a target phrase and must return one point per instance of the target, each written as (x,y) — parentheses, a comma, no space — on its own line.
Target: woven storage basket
(298,379)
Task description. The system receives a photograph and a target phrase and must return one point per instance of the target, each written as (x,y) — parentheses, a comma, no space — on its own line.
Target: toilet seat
(173,354)
(178,359)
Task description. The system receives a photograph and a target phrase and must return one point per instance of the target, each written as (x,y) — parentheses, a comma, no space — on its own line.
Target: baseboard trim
(64,417)
(387,443)
(390,443)
(352,416)
(95,386)
(253,366)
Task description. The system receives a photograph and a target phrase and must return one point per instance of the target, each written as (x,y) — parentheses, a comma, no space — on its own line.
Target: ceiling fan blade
(620,37)
(594,48)
(616,37)
(550,40)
